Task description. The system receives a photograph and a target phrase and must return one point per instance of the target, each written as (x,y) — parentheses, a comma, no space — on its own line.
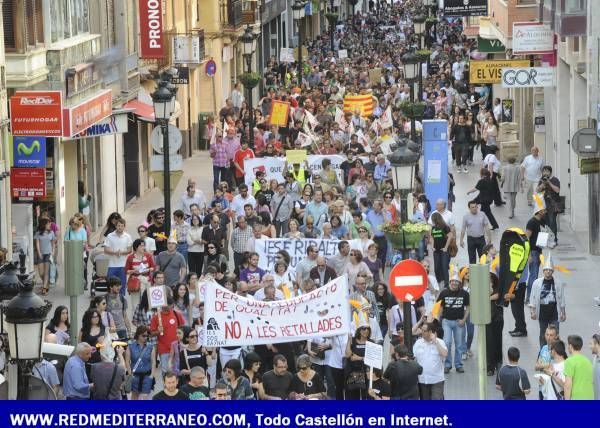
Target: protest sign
(233,320)
(157,296)
(280,111)
(375,76)
(373,355)
(295,156)
(286,55)
(267,249)
(342,54)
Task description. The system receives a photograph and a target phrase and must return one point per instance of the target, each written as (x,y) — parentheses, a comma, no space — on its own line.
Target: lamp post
(164,105)
(411,65)
(299,10)
(24,319)
(432,6)
(419,27)
(403,161)
(332,18)
(248,40)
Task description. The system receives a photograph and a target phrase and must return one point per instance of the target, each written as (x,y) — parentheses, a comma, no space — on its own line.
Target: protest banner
(233,320)
(273,166)
(342,54)
(295,156)
(280,112)
(267,249)
(157,296)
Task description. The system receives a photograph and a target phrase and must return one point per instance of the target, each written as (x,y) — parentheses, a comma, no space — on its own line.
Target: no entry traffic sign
(408,280)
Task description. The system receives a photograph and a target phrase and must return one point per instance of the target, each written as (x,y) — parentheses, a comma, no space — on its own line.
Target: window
(8,14)
(68,18)
(23,24)
(572,6)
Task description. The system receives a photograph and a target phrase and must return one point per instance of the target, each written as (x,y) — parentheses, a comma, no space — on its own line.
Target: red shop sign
(151,33)
(36,113)
(84,115)
(27,184)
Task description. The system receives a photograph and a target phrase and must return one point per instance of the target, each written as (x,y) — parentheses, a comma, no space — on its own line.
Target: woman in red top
(140,263)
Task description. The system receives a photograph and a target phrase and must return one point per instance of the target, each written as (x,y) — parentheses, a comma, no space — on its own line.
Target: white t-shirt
(117,243)
(492,159)
(237,205)
(533,167)
(446,215)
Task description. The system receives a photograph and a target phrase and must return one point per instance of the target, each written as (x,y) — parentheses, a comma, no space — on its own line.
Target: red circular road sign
(408,280)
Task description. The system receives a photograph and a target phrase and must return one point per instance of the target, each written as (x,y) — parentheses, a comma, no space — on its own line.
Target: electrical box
(480,305)
(74,280)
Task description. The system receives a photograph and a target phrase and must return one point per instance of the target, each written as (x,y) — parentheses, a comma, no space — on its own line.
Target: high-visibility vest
(300,177)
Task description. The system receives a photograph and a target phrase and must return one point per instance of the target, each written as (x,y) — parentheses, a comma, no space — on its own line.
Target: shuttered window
(8,17)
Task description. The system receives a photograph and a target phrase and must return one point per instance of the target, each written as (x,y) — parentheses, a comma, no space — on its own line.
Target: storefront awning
(142,110)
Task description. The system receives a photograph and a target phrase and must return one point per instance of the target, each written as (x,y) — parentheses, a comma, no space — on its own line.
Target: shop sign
(114,124)
(36,113)
(151,32)
(491,71)
(186,50)
(80,78)
(183,76)
(27,184)
(88,113)
(29,152)
(465,8)
(528,77)
(532,38)
(490,45)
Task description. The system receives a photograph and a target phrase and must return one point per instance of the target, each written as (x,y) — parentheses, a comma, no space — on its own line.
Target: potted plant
(406,108)
(418,109)
(250,80)
(332,17)
(423,55)
(405,235)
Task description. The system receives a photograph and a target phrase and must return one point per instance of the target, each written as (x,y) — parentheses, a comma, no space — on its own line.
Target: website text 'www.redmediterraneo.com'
(73,420)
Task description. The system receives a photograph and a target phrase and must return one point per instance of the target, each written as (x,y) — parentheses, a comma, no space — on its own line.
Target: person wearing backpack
(116,305)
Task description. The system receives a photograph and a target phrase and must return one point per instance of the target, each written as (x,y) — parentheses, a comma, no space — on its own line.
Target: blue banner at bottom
(259,414)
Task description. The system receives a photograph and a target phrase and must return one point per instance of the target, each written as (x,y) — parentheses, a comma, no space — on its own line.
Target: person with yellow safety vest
(300,174)
(259,175)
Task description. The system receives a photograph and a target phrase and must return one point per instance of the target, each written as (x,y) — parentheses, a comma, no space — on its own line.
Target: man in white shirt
(458,68)
(118,245)
(430,352)
(497,110)
(191,197)
(440,207)
(243,198)
(265,291)
(531,171)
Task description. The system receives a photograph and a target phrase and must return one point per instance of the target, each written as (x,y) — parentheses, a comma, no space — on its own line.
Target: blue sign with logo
(29,152)
(435,158)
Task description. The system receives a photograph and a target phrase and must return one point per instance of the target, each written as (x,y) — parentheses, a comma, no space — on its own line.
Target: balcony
(566,17)
(233,14)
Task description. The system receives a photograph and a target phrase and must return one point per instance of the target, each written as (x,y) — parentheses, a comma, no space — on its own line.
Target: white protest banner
(363,140)
(342,54)
(233,320)
(273,166)
(312,120)
(157,296)
(286,55)
(305,139)
(267,249)
(386,120)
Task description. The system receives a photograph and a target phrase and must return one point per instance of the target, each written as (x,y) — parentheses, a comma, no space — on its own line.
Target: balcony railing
(233,13)
(567,17)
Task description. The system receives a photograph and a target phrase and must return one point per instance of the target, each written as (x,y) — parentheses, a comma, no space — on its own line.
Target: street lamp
(164,105)
(411,65)
(403,161)
(24,318)
(299,11)
(419,26)
(248,40)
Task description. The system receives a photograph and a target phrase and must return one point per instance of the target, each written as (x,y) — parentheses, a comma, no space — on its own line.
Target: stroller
(100,270)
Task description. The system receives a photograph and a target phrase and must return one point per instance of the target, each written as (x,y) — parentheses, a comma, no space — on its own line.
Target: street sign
(157,296)
(175,139)
(585,142)
(157,163)
(210,68)
(490,45)
(589,165)
(408,280)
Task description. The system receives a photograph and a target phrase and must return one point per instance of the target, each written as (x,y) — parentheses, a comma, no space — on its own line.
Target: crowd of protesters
(216,237)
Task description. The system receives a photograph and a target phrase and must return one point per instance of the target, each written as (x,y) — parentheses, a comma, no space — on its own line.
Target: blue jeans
(453,330)
(220,173)
(183,250)
(441,265)
(533,270)
(119,272)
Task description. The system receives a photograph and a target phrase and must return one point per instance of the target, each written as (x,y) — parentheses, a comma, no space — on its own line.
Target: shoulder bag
(129,378)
